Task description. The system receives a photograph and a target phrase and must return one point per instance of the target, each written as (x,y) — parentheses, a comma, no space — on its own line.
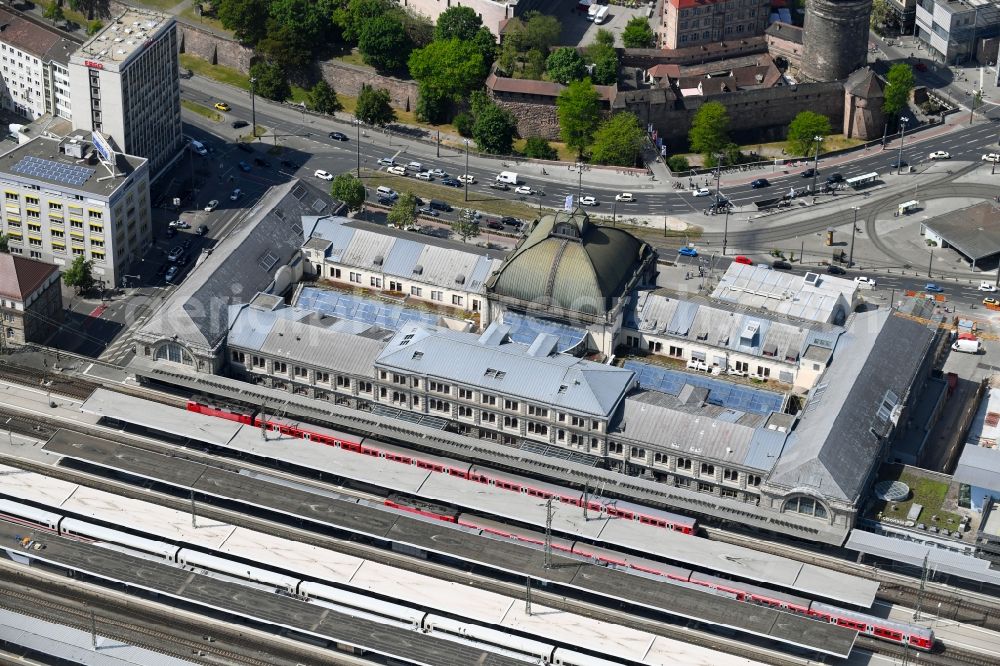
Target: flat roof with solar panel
(44,161)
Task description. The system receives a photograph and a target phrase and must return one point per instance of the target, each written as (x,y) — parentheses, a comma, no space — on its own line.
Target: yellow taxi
(221,106)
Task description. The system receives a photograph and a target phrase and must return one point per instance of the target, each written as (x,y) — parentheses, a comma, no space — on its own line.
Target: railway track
(942,655)
(63,385)
(46,604)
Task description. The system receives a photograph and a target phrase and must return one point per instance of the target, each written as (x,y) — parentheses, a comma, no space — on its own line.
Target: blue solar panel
(723,394)
(36,167)
(525,329)
(366,310)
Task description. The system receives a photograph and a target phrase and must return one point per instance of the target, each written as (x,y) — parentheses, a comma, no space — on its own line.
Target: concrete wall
(213,48)
(348,79)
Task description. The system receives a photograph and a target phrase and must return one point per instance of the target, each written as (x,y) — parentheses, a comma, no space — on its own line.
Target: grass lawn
(159,5)
(353,58)
(192,16)
(201,110)
(565,154)
(478,199)
(928,492)
(218,72)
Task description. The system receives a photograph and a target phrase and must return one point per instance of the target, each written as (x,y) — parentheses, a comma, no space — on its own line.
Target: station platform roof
(911,552)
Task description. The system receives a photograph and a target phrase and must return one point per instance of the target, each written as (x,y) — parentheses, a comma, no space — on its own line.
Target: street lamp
(718,174)
(579,183)
(902,135)
(465,179)
(854,229)
(725,232)
(357,121)
(253,108)
(818,139)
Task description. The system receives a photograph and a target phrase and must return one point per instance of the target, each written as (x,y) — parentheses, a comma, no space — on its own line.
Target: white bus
(864,180)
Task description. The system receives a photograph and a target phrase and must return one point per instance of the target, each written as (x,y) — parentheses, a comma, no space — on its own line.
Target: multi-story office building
(125,84)
(686,23)
(60,203)
(35,65)
(953,28)
(30,299)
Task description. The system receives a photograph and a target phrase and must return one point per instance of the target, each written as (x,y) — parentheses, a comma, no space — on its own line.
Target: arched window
(807,506)
(173,352)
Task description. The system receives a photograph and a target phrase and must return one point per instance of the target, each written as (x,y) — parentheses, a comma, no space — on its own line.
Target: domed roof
(566,262)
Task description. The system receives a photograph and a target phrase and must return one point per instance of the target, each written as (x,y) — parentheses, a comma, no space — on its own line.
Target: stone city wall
(213,48)
(348,79)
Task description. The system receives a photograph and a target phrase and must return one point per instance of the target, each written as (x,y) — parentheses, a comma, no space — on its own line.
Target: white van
(198,147)
(508,177)
(386,192)
(601,15)
(592,12)
(967,346)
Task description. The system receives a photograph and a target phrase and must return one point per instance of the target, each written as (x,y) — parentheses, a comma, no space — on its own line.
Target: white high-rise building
(124,83)
(34,64)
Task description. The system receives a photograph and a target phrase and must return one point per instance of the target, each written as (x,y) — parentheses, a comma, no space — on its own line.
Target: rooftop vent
(811,279)
(378,260)
(418,270)
(459,279)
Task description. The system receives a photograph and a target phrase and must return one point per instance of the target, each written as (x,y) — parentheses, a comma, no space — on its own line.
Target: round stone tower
(834,38)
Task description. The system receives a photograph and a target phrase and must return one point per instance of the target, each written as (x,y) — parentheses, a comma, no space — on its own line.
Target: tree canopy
(323,99)
(804,129)
(617,140)
(604,57)
(564,65)
(246,18)
(54,12)
(899,83)
(578,108)
(384,43)
(638,34)
(353,16)
(494,130)
(465,227)
(348,189)
(453,67)
(538,148)
(271,81)
(457,23)
(374,108)
(80,275)
(404,212)
(709,133)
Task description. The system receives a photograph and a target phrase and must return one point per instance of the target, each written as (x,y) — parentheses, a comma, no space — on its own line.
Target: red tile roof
(532,87)
(25,35)
(20,277)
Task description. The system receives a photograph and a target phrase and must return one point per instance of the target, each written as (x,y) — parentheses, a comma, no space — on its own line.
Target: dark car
(783,265)
(835,178)
(245,147)
(833,269)
(288,164)
(186,243)
(237,124)
(427,210)
(810,172)
(499,186)
(261,162)
(512,221)
(437,204)
(245,167)
(760,182)
(898,164)
(495,224)
(202,229)
(338,136)
(451,182)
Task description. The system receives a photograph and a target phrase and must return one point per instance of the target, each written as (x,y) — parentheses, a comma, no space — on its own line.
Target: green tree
(494,130)
(404,212)
(637,34)
(433,105)
(79,275)
(92,8)
(418,28)
(883,19)
(246,18)
(373,107)
(509,57)
(464,122)
(486,44)
(271,81)
(311,19)
(605,60)
(465,227)
(541,32)
(353,16)
(899,83)
(803,129)
(618,140)
(323,98)
(384,43)
(565,65)
(348,189)
(4,243)
(94,26)
(678,164)
(457,23)
(538,148)
(54,12)
(709,133)
(604,38)
(453,67)
(534,65)
(578,108)
(286,47)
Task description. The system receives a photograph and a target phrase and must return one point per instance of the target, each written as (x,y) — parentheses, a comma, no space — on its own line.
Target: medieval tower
(834,38)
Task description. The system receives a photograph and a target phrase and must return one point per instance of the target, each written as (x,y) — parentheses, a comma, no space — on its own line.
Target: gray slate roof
(832,449)
(402,254)
(686,424)
(728,325)
(243,264)
(492,363)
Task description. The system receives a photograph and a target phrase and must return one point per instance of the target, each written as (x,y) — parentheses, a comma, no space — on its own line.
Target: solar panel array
(724,394)
(366,310)
(525,329)
(68,174)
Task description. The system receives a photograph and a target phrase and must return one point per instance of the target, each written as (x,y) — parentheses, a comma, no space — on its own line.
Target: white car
(991,157)
(396,170)
(179,224)
(415,166)
(424,175)
(625,197)
(237,193)
(212,205)
(523,189)
(703,192)
(986,286)
(467,178)
(939,155)
(386,161)
(323,175)
(438,173)
(866,281)
(588,201)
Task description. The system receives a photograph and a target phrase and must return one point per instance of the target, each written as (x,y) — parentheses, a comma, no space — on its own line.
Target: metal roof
(979,466)
(974,231)
(480,361)
(912,552)
(834,445)
(826,299)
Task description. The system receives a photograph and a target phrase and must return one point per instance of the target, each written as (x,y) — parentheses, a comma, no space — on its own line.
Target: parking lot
(578,31)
